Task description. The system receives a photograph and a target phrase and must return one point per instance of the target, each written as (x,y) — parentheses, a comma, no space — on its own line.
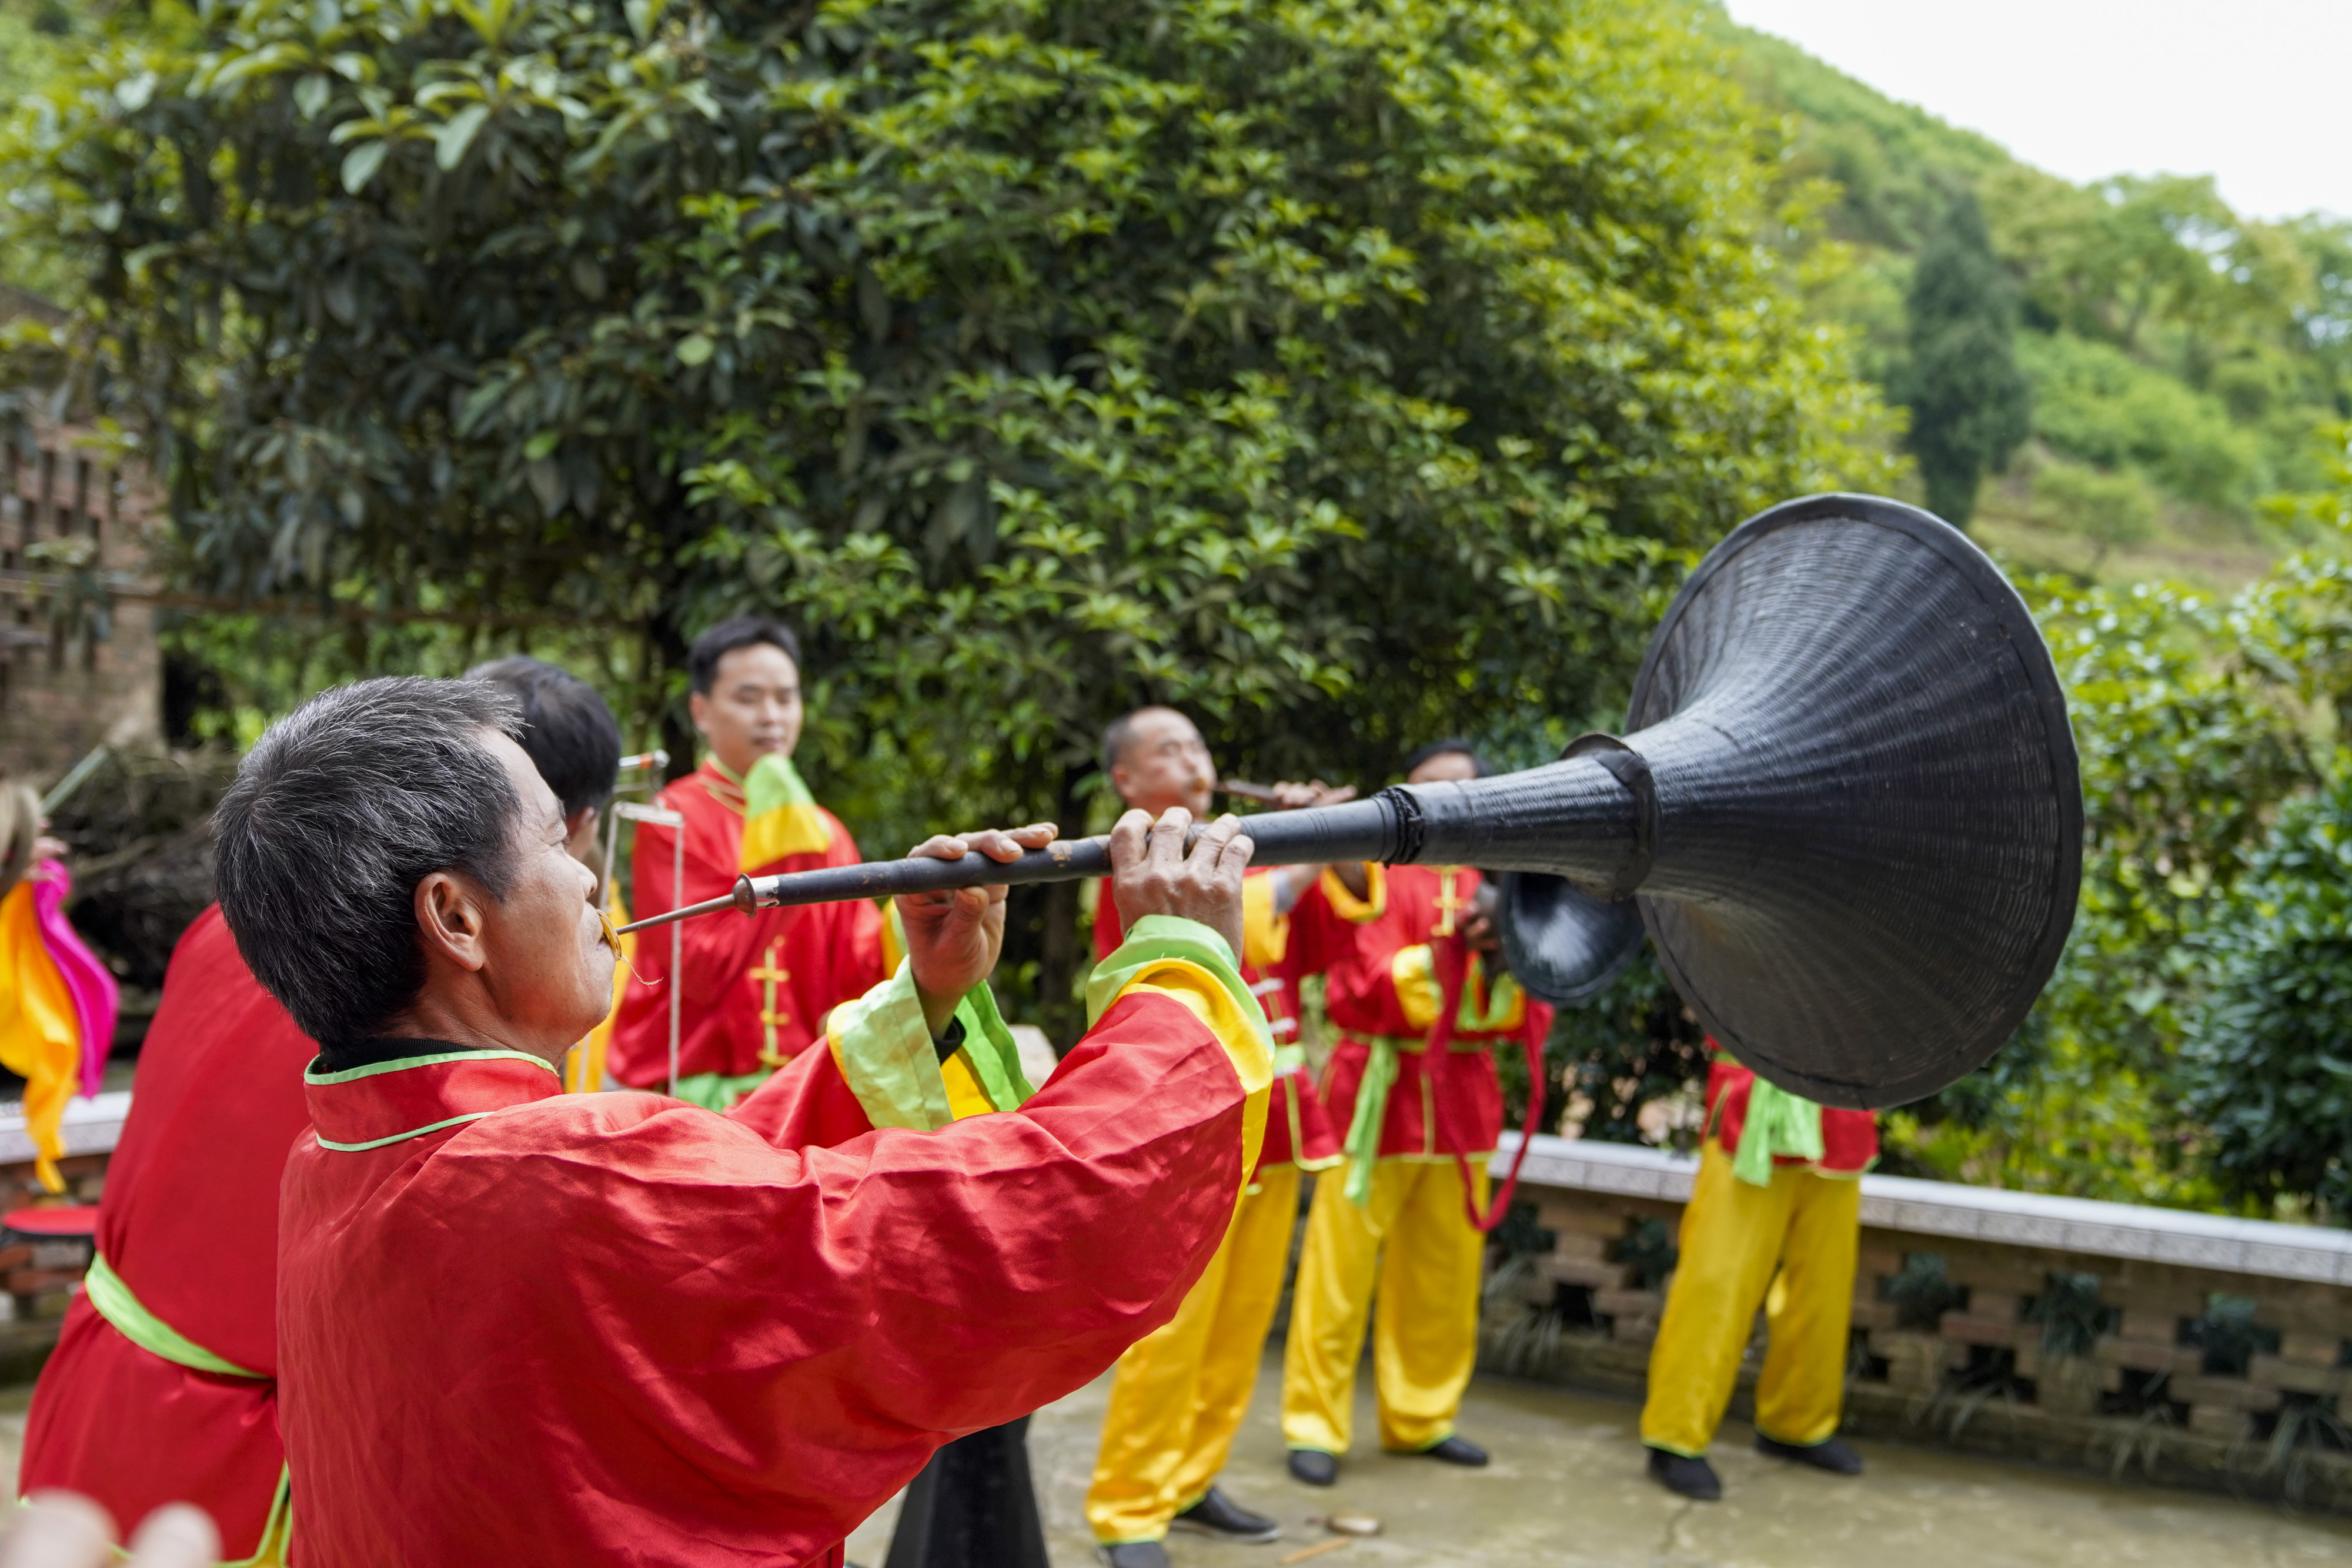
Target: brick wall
(61,694)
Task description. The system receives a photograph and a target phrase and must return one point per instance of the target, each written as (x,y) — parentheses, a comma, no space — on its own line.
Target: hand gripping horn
(1849,812)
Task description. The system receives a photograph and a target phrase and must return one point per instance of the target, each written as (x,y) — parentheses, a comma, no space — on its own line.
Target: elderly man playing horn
(519,1326)
(163,1384)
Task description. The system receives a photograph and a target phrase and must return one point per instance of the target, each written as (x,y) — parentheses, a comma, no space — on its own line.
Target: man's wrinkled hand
(1152,874)
(953,937)
(1314,792)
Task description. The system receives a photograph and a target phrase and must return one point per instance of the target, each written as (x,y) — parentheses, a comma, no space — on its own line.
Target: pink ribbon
(97,1000)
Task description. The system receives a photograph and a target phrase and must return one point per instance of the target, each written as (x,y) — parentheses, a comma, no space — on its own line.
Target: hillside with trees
(2185,366)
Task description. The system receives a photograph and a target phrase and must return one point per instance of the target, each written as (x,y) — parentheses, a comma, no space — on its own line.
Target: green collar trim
(1160,936)
(114,1302)
(351,1074)
(413,1133)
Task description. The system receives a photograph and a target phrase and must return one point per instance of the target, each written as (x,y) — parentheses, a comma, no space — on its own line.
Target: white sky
(2256,92)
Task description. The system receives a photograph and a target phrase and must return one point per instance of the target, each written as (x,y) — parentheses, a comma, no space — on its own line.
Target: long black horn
(1849,812)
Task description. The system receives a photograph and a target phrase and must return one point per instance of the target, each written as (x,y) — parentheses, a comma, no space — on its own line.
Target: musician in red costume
(1419,1123)
(1182,1392)
(754,992)
(518,1326)
(163,1384)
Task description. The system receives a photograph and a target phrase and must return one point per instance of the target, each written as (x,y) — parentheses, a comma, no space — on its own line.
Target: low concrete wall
(2143,1400)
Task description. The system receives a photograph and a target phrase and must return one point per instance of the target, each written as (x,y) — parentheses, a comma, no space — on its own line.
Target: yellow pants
(1790,1248)
(1415,1239)
(1180,1392)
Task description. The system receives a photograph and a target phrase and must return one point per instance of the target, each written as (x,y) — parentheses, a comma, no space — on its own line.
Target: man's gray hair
(339,810)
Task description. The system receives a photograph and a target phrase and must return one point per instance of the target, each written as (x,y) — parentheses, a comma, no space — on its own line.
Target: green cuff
(885,1054)
(887,1057)
(991,1051)
(1156,937)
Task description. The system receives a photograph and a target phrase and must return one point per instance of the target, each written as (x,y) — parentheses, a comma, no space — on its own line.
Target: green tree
(2266,1072)
(2116,509)
(1343,375)
(1970,405)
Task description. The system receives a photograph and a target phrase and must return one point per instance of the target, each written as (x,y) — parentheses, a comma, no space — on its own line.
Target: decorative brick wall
(2146,1386)
(62,693)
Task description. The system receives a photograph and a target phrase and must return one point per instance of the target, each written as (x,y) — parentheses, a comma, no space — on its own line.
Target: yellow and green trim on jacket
(887,1056)
(1191,964)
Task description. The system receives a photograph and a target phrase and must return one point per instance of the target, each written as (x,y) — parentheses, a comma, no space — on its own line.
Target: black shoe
(1686,1477)
(1834,1455)
(1133,1555)
(1314,1467)
(1220,1516)
(1455,1450)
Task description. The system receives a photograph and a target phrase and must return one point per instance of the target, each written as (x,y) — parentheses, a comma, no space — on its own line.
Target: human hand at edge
(1151,873)
(65,1530)
(953,937)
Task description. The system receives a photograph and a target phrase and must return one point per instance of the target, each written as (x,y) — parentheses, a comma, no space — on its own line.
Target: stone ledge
(91,1126)
(2258,1248)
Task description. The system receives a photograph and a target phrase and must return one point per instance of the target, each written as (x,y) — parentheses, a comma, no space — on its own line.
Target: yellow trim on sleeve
(1347,906)
(1214,1005)
(1266,936)
(965,1096)
(1189,963)
(1495,1009)
(1413,971)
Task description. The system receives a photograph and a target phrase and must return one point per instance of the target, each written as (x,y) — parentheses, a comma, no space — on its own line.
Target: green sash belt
(1778,1123)
(1363,1145)
(150,1333)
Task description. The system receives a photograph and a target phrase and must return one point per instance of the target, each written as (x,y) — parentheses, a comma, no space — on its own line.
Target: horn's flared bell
(1850,805)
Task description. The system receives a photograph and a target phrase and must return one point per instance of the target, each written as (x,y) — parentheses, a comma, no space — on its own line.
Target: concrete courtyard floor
(1567,1491)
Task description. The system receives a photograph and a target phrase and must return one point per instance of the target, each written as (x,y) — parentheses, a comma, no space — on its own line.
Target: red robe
(1287,949)
(756,990)
(1849,1138)
(189,1221)
(519,1326)
(1384,986)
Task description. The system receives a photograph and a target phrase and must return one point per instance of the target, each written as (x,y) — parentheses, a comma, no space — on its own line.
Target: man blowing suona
(519,1326)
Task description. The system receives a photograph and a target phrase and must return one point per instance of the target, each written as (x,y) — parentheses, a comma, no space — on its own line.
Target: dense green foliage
(2199,723)
(2267,1071)
(1969,404)
(1345,375)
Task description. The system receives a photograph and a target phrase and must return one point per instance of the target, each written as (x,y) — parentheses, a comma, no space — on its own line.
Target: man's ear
(580,827)
(697,708)
(451,910)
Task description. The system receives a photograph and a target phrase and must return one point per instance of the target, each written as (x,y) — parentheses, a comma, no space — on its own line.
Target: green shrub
(2116,509)
(2267,1058)
(2095,403)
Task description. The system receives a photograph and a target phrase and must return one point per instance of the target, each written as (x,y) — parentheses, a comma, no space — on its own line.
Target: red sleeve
(1320,936)
(805,1326)
(807,1105)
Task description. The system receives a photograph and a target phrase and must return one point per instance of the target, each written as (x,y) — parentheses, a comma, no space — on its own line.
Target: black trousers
(973,1506)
